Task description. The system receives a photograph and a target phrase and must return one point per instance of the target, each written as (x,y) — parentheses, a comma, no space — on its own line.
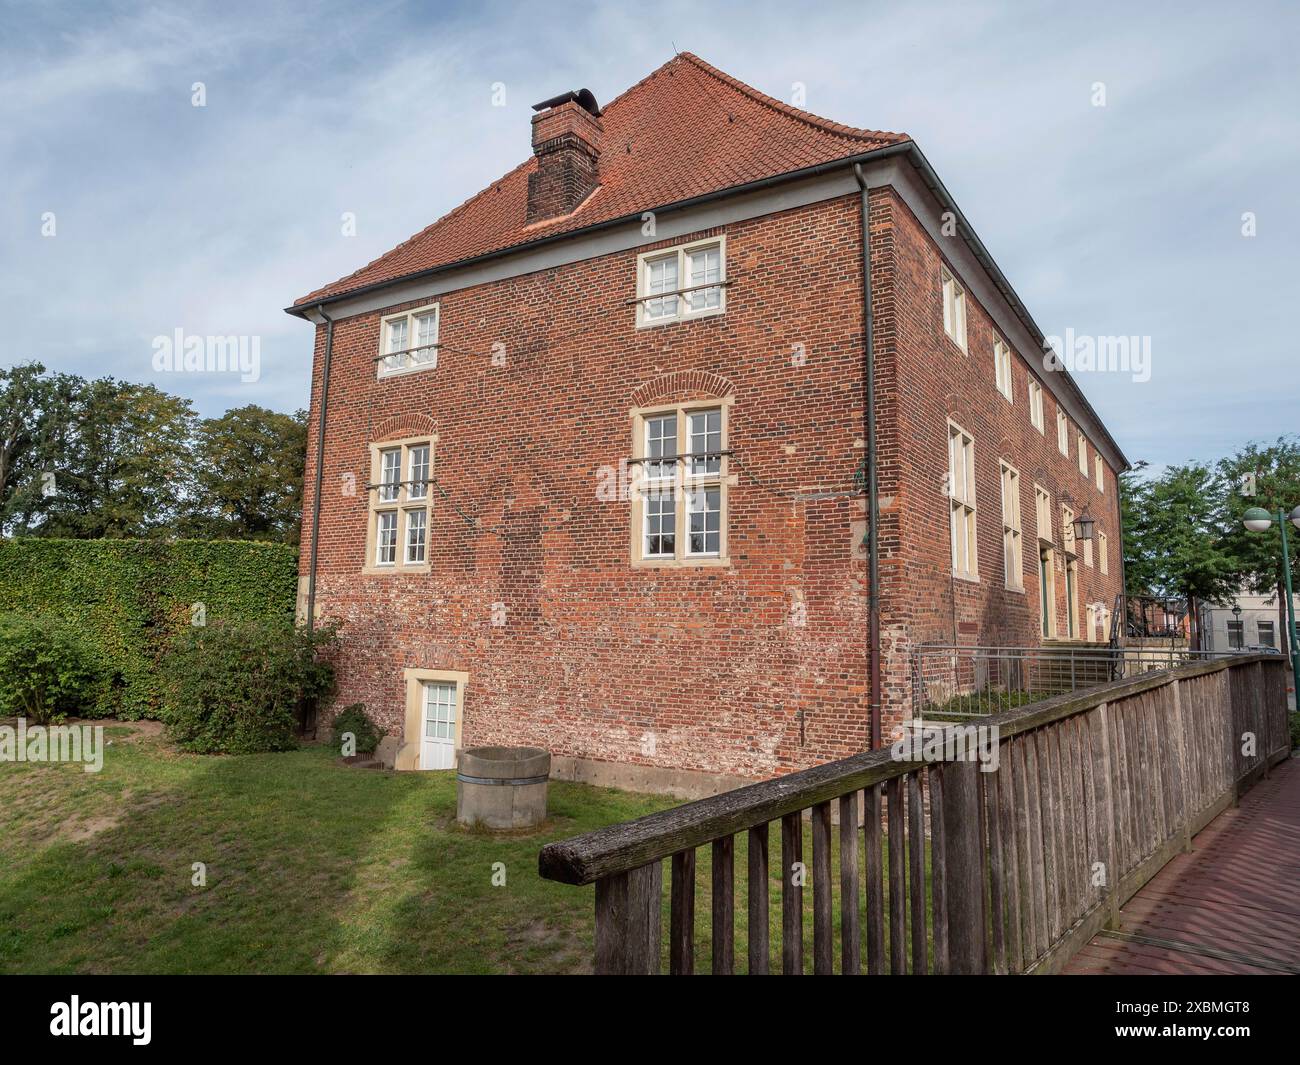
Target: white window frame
(405,362)
(400,503)
(1035,404)
(1099,469)
(1103,553)
(962,516)
(1082,442)
(1259,632)
(1063,433)
(683,480)
(1002,368)
(1067,531)
(1043,513)
(1013,558)
(683,312)
(954,307)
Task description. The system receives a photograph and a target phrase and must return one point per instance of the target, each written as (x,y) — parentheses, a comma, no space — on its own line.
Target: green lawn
(311,867)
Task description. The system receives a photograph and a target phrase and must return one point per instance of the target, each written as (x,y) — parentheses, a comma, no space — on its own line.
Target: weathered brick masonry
(748,669)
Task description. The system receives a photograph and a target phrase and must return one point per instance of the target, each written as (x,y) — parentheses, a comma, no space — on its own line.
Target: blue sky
(1117,220)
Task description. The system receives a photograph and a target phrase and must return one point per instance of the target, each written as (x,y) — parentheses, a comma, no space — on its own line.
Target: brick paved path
(1231,906)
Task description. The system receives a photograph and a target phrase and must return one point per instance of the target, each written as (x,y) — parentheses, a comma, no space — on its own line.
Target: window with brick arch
(680,481)
(400,506)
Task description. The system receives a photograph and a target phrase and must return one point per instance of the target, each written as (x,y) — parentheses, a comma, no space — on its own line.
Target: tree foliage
(91,459)
(1268,476)
(248,470)
(1174,541)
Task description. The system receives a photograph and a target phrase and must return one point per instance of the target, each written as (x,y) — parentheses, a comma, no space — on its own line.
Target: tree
(1174,539)
(33,412)
(122,462)
(248,476)
(1140,574)
(1268,476)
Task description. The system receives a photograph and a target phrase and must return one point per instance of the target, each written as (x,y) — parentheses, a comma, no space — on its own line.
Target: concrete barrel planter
(502,787)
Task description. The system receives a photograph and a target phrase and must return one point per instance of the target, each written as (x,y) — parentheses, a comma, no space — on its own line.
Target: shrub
(47,670)
(355,720)
(130,597)
(235,687)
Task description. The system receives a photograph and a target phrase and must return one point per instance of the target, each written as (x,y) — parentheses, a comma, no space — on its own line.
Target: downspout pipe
(320,463)
(873,494)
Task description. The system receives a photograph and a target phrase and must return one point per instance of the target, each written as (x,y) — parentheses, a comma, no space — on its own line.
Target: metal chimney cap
(583,97)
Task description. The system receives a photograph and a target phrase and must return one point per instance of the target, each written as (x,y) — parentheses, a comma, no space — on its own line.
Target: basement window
(681,283)
(408,342)
(400,506)
(679,486)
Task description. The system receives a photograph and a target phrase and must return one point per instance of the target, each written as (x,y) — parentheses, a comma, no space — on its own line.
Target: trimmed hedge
(131,598)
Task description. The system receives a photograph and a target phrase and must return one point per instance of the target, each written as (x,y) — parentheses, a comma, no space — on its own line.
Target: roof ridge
(826,125)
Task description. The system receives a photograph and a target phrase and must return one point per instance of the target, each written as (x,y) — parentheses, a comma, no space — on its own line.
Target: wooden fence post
(964,864)
(628,922)
(1184,802)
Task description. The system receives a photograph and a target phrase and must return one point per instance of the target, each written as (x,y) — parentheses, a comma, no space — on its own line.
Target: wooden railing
(1006,871)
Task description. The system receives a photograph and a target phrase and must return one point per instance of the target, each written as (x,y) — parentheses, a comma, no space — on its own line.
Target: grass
(310,867)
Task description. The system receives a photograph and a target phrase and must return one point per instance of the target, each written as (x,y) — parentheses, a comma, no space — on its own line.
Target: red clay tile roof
(685,130)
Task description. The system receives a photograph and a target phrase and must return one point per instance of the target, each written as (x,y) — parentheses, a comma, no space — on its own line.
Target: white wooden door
(438,742)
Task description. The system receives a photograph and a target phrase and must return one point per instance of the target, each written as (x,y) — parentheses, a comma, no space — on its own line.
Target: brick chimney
(566,140)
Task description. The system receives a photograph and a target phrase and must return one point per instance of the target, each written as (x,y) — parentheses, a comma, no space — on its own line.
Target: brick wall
(934,380)
(596,659)
(753,669)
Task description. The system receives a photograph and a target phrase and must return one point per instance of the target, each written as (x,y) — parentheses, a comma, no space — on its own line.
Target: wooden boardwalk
(1230,906)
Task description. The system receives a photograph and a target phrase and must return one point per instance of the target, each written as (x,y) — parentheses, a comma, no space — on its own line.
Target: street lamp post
(1257,519)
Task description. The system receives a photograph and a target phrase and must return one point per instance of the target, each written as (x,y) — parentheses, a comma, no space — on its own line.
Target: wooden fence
(1009,871)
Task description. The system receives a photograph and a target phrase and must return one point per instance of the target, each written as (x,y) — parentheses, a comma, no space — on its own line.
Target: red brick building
(592,463)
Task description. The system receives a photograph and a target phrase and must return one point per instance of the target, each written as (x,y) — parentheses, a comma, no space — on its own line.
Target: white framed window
(1036,405)
(408,341)
(1062,433)
(386,538)
(400,502)
(390,474)
(1082,442)
(1067,530)
(1002,368)
(1103,553)
(1087,552)
(954,308)
(682,283)
(679,512)
(1099,470)
(1236,632)
(961,502)
(1266,634)
(1043,513)
(417,526)
(1012,549)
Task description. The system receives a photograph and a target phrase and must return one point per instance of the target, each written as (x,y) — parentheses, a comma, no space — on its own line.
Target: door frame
(408,755)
